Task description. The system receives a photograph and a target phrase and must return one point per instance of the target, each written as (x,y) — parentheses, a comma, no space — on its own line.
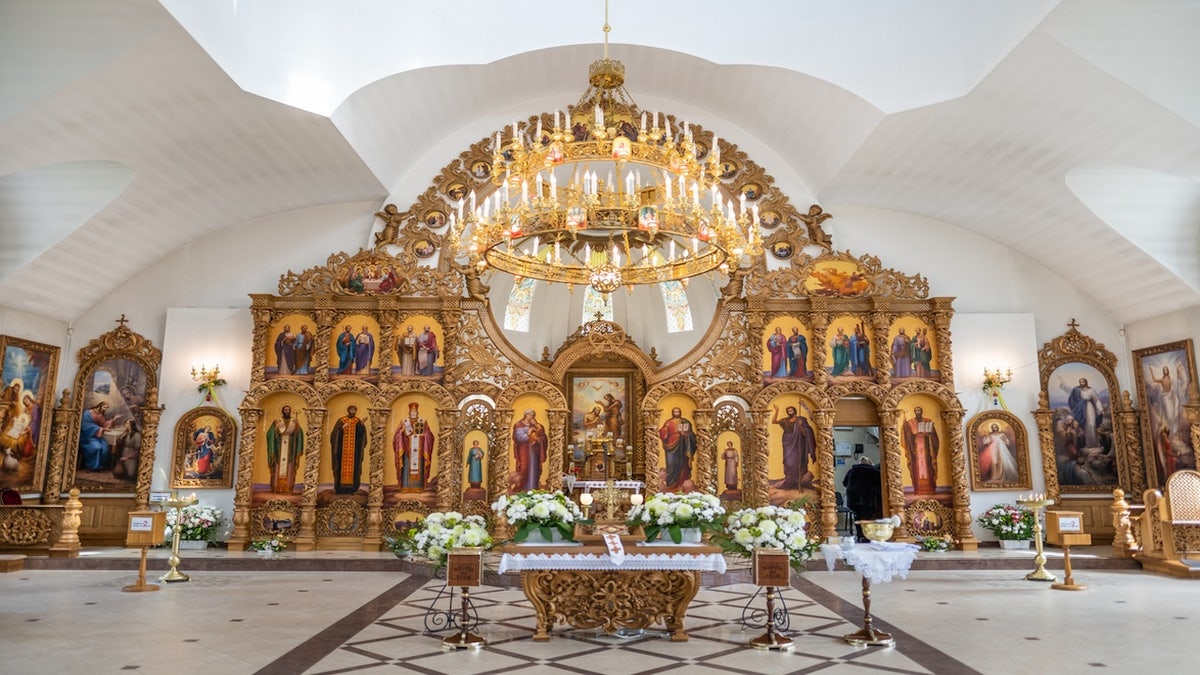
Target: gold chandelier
(606,195)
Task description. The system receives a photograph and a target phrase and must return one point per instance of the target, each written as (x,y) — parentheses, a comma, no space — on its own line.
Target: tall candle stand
(1037,502)
(176,502)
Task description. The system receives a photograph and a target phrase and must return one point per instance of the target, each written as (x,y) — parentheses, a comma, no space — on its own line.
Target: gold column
(449,460)
(379,448)
(151,412)
(245,478)
(306,539)
(959,480)
(704,464)
(756,476)
(941,321)
(1043,417)
(500,468)
(880,322)
(65,436)
(825,482)
(650,429)
(892,457)
(820,334)
(557,424)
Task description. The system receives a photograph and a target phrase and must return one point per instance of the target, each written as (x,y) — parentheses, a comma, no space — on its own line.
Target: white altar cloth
(589,485)
(702,562)
(878,562)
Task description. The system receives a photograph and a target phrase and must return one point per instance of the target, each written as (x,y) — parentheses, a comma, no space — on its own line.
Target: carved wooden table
(587,588)
(876,562)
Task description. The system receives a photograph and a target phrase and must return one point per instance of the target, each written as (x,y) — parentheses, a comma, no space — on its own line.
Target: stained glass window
(516,313)
(679,312)
(595,301)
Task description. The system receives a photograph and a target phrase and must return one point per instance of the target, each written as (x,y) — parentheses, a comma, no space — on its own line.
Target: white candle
(554,189)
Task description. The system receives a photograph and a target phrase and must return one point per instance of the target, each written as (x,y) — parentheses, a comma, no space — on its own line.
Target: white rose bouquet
(539,510)
(198,522)
(769,527)
(673,512)
(440,532)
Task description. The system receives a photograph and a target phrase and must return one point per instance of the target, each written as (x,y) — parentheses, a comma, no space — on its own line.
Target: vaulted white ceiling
(1068,131)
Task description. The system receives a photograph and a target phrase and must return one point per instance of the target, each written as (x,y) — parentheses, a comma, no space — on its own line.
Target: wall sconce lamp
(204,375)
(207,379)
(994,379)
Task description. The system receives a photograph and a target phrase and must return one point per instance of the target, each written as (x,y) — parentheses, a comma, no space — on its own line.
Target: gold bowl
(877,530)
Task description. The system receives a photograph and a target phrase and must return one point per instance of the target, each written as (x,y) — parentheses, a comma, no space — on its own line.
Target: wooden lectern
(1065,528)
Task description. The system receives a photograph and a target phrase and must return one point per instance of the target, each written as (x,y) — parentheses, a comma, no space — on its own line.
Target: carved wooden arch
(555,426)
(892,452)
(596,338)
(255,397)
(733,413)
(478,413)
(822,422)
(1075,347)
(329,390)
(414,279)
(703,473)
(874,280)
(119,343)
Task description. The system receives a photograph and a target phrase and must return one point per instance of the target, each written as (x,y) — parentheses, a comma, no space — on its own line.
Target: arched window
(679,312)
(596,302)
(516,313)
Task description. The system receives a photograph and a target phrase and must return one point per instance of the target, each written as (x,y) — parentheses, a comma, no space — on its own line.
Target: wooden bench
(1170,526)
(41,529)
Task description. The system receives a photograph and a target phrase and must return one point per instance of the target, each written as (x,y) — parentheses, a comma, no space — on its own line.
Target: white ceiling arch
(998,118)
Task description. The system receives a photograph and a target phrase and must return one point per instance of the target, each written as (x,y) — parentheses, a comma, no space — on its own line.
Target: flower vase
(535,537)
(1015,544)
(688,535)
(193,544)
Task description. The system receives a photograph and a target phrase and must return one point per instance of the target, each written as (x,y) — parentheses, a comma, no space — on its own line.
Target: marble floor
(334,612)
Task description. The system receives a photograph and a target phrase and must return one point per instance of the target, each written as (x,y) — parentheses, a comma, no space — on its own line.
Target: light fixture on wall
(609,196)
(208,380)
(994,378)
(993,381)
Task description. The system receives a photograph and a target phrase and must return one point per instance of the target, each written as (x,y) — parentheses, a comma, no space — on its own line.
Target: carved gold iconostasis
(448,414)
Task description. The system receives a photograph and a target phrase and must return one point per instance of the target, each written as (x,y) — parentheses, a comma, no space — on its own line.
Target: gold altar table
(586,587)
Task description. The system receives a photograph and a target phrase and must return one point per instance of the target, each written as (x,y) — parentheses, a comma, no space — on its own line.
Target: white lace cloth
(702,562)
(878,562)
(589,485)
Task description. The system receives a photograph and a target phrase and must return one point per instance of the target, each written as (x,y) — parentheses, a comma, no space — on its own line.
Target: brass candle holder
(178,503)
(1037,502)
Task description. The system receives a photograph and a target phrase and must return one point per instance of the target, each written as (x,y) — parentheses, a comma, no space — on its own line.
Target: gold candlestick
(1037,503)
(176,502)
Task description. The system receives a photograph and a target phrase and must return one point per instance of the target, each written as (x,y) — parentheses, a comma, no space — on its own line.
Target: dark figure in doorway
(864,492)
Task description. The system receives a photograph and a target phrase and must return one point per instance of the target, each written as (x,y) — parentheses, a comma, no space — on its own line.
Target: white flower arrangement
(272,545)
(673,512)
(1008,521)
(440,532)
(539,510)
(198,522)
(769,527)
